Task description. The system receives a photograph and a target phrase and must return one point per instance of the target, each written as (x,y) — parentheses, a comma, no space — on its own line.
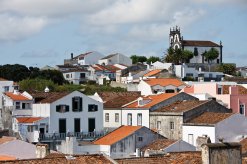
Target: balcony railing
(78,135)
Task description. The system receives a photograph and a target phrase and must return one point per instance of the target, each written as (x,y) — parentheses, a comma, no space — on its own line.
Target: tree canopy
(227,69)
(211,55)
(136,59)
(178,56)
(17,72)
(152,59)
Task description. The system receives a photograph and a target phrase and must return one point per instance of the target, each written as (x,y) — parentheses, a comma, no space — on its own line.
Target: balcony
(49,137)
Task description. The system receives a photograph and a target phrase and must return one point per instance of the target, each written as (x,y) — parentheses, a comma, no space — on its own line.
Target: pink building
(233,96)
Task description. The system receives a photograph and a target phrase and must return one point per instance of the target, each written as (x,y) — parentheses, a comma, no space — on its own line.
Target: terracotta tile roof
(2,79)
(152,73)
(170,158)
(17,97)
(243,143)
(210,118)
(158,144)
(117,135)
(181,106)
(47,97)
(5,139)
(199,43)
(75,159)
(107,96)
(81,56)
(241,90)
(6,157)
(154,99)
(118,102)
(164,82)
(28,119)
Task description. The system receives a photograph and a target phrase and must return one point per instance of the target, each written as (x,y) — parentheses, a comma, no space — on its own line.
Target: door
(91,124)
(77,125)
(42,130)
(62,125)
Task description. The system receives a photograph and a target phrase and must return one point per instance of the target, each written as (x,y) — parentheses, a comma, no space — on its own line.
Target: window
(67,76)
(242,109)
(62,108)
(107,117)
(25,105)
(116,117)
(17,105)
(76,104)
(172,125)
(189,74)
(82,75)
(122,146)
(210,75)
(92,108)
(140,139)
(158,125)
(77,125)
(6,88)
(129,119)
(219,91)
(139,119)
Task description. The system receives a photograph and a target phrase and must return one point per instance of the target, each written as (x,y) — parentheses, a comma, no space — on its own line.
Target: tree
(36,84)
(227,69)
(211,55)
(152,59)
(178,56)
(136,59)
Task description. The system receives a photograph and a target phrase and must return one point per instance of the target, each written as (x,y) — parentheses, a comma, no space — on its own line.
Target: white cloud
(14,28)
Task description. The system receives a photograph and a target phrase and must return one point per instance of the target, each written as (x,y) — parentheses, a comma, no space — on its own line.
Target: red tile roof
(243,143)
(181,106)
(164,82)
(241,90)
(48,97)
(75,159)
(170,158)
(154,99)
(5,139)
(152,73)
(28,119)
(210,118)
(199,43)
(17,96)
(6,157)
(117,135)
(159,144)
(2,79)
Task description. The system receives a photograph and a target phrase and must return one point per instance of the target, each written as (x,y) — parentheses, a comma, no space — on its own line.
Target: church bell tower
(175,38)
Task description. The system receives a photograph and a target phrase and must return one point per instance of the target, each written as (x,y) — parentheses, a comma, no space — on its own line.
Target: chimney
(42,150)
(214,153)
(202,140)
(72,56)
(47,89)
(16,92)
(212,98)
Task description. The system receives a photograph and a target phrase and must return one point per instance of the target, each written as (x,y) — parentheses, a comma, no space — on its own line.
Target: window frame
(79,101)
(129,119)
(138,123)
(92,108)
(18,106)
(172,125)
(107,117)
(243,108)
(116,117)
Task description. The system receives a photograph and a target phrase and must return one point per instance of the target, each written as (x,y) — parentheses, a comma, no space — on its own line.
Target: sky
(45,32)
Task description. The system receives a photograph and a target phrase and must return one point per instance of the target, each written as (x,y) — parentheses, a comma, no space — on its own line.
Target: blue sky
(44,32)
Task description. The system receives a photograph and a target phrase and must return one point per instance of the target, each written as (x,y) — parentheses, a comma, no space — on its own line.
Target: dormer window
(76,104)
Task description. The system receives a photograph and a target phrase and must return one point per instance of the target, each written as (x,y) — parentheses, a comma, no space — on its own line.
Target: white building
(20,104)
(66,113)
(198,47)
(165,85)
(76,76)
(6,86)
(183,71)
(115,59)
(87,58)
(228,127)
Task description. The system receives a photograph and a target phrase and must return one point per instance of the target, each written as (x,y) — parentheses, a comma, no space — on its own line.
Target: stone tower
(175,38)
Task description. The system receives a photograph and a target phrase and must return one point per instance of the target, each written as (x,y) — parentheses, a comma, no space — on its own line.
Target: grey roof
(18,149)
(109,56)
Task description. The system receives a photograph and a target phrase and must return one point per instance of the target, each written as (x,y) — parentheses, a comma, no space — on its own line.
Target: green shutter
(67,108)
(57,108)
(80,108)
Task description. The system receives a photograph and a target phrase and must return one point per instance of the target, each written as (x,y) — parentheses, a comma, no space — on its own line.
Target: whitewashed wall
(112,123)
(134,112)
